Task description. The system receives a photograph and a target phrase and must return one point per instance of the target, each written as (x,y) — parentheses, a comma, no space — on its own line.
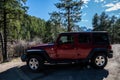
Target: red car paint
(75,50)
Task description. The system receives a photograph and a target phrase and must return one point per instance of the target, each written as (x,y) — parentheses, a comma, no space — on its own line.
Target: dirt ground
(14,63)
(15,70)
(113,65)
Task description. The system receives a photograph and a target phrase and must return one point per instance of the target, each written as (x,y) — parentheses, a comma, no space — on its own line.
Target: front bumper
(110,54)
(24,57)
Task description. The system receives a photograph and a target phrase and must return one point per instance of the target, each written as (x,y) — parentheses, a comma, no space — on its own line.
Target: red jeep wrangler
(91,47)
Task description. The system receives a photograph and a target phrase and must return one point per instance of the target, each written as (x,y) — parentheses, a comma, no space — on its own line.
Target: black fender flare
(96,51)
(38,52)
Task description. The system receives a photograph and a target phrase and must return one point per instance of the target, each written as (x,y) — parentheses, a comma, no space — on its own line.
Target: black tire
(35,63)
(99,61)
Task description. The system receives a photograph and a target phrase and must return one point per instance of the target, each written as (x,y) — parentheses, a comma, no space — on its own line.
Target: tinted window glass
(100,38)
(84,38)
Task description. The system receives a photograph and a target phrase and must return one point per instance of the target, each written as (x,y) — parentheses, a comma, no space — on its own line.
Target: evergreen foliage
(69,12)
(105,23)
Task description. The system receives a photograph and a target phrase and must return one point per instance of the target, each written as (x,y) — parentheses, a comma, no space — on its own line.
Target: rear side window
(84,38)
(100,38)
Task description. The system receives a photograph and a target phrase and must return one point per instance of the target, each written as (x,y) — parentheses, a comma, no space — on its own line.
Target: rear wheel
(35,63)
(99,61)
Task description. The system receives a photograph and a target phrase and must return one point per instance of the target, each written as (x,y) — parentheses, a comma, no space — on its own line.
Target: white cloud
(85,4)
(109,5)
(97,1)
(85,1)
(112,7)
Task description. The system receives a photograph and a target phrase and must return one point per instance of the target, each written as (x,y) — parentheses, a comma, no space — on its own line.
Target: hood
(43,46)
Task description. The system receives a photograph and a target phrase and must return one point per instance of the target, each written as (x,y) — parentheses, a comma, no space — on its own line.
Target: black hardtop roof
(84,32)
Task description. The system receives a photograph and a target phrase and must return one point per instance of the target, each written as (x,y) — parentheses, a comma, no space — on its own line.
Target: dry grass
(16,49)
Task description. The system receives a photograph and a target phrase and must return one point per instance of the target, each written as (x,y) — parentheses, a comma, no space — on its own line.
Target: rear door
(84,45)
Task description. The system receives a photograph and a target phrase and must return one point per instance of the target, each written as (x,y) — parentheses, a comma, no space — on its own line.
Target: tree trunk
(5,33)
(69,26)
(2,48)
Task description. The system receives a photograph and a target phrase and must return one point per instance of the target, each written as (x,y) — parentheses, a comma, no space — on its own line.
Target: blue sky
(42,8)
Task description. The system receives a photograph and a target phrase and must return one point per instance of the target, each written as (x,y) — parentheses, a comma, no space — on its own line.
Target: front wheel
(99,61)
(35,63)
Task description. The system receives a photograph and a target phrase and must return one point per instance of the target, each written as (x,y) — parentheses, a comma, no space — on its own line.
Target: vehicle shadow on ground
(66,72)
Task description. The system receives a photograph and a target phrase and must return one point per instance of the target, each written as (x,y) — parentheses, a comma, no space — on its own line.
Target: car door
(66,47)
(84,45)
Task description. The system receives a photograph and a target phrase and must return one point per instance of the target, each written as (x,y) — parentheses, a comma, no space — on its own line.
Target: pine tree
(10,11)
(95,22)
(70,11)
(101,23)
(104,22)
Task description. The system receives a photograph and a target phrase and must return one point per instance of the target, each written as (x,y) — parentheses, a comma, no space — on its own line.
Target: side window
(66,39)
(84,38)
(100,38)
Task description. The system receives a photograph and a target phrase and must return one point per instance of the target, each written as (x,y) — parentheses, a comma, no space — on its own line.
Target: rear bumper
(110,54)
(24,57)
